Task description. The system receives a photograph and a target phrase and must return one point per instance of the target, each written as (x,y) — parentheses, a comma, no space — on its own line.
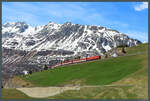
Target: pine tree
(106,55)
(45,67)
(30,72)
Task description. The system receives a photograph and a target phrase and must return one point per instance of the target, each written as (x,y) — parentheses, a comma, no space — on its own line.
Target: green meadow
(131,69)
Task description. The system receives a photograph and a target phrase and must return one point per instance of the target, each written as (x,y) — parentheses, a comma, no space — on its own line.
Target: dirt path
(42,92)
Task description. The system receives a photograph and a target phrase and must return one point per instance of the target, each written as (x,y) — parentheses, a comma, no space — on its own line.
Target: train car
(93,58)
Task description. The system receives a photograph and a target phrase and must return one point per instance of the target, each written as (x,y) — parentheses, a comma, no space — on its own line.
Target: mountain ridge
(29,48)
(67,36)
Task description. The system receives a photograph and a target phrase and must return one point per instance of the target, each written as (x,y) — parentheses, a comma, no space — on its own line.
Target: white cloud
(141,7)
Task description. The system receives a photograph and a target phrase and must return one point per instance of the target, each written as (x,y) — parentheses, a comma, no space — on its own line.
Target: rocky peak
(67,36)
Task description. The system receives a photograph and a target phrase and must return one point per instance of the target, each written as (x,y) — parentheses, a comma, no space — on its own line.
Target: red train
(76,61)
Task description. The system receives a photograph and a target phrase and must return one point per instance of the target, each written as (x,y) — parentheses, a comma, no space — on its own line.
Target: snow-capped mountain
(30,48)
(26,44)
(67,36)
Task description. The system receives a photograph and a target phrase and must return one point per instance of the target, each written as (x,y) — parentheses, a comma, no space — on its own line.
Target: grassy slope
(12,93)
(114,92)
(138,79)
(99,72)
(137,76)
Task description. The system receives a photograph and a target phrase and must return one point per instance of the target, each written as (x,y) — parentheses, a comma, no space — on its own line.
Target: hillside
(132,86)
(100,72)
(28,48)
(123,77)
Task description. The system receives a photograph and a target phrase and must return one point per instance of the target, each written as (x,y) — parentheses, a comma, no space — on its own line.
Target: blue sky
(130,18)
